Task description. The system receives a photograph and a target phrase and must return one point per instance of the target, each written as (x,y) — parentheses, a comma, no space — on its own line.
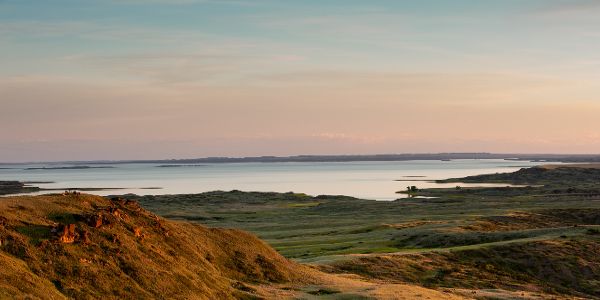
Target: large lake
(369,180)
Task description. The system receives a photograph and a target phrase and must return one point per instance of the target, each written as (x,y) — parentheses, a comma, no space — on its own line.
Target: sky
(161,79)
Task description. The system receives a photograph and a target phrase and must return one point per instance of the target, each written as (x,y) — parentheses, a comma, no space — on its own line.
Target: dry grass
(413,224)
(550,218)
(582,165)
(557,269)
(165,259)
(134,254)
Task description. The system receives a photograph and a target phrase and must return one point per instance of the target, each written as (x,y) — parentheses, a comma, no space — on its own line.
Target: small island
(70,168)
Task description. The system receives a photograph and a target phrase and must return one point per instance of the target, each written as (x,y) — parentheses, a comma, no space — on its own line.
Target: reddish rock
(85,261)
(68,234)
(86,237)
(137,231)
(116,212)
(159,226)
(95,221)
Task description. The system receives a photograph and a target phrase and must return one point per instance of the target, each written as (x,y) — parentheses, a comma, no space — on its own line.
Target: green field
(511,242)
(309,228)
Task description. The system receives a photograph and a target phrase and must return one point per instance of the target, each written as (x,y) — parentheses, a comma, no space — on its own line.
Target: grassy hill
(542,175)
(88,247)
(119,249)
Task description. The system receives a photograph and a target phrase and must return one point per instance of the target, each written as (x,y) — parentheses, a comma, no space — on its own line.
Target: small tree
(411,189)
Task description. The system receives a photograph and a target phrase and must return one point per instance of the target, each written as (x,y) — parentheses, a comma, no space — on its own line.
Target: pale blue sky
(241,77)
(60,37)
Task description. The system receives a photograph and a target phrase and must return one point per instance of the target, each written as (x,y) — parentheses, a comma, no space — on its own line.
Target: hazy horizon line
(498,155)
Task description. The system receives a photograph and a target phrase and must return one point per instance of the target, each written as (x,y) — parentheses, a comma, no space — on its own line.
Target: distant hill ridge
(358,157)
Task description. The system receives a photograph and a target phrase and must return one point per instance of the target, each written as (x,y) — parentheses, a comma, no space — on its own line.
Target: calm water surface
(368,180)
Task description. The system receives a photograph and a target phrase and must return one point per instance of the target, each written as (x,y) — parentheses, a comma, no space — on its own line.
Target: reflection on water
(369,180)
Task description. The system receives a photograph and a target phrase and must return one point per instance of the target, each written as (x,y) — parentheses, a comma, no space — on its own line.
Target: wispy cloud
(316,76)
(569,8)
(94,30)
(573,5)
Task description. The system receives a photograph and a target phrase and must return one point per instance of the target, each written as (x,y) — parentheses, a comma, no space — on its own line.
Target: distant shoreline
(179,166)
(20,187)
(344,158)
(14,187)
(69,168)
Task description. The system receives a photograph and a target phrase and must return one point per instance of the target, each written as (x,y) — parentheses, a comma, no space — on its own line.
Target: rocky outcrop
(68,234)
(95,220)
(138,232)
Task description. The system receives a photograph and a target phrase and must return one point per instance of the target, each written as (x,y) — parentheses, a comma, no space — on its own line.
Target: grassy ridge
(504,242)
(551,175)
(311,228)
(563,266)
